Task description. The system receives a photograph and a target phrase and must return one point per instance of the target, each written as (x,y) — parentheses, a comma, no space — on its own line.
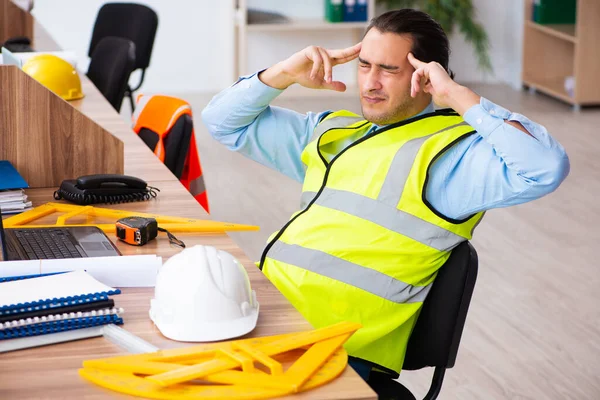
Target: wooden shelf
(307,24)
(565,32)
(553,87)
(553,52)
(297,24)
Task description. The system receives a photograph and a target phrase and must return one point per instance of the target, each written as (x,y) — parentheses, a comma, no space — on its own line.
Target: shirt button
(479,121)
(493,112)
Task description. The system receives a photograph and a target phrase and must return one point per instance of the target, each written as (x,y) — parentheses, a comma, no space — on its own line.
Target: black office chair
(435,339)
(111,65)
(132,21)
(177,143)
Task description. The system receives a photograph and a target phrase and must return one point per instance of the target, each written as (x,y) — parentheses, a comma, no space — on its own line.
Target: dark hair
(430,42)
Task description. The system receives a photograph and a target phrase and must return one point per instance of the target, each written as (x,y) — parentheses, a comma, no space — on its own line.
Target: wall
(194,48)
(503,21)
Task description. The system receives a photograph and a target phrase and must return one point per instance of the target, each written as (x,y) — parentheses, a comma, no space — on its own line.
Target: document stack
(45,304)
(14,201)
(12,197)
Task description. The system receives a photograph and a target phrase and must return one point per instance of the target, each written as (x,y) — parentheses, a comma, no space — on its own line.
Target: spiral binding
(56,302)
(17,323)
(84,200)
(60,326)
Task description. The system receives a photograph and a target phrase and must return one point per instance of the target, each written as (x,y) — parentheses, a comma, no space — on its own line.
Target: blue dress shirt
(499,166)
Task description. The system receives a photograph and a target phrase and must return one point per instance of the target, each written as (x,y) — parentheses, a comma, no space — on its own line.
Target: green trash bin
(554,11)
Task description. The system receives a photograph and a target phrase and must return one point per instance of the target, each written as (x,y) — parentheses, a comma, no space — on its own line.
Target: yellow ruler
(172,224)
(229,370)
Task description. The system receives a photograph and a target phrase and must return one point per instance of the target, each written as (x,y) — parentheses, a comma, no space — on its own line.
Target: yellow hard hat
(56,74)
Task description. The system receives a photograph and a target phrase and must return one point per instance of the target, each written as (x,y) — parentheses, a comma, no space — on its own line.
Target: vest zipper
(444,112)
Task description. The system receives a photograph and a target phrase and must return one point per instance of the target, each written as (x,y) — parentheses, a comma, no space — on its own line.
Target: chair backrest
(435,339)
(132,21)
(177,143)
(111,65)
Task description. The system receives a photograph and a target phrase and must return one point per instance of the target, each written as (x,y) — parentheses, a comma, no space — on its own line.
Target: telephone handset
(109,182)
(105,188)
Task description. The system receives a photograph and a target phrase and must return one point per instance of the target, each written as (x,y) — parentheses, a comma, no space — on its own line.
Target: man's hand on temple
(311,68)
(432,78)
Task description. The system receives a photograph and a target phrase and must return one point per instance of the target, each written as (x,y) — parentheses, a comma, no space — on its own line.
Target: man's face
(384,75)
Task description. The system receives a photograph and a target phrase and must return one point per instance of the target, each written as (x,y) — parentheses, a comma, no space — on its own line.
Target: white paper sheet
(19,268)
(57,286)
(119,271)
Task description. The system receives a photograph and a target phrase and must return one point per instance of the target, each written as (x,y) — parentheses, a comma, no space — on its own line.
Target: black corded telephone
(107,188)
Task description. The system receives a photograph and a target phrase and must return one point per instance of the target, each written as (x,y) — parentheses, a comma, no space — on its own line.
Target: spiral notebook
(59,322)
(51,292)
(97,305)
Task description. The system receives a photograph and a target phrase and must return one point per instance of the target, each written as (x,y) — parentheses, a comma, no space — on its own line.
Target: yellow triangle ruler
(228,370)
(69,211)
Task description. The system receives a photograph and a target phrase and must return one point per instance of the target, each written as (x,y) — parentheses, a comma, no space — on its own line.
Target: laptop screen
(3,252)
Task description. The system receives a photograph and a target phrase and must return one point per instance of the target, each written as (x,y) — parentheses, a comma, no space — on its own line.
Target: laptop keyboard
(46,243)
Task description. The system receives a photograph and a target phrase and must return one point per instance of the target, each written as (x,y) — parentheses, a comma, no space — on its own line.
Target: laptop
(52,243)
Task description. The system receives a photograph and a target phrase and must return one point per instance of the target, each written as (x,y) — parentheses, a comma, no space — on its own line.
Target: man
(388,195)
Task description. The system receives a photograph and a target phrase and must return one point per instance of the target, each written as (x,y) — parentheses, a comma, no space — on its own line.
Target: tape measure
(138,231)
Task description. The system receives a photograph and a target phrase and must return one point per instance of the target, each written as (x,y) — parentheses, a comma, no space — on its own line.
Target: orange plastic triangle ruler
(70,211)
(256,368)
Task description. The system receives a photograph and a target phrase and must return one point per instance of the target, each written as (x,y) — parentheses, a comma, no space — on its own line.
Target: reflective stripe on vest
(390,218)
(141,103)
(197,186)
(400,168)
(396,178)
(356,275)
(366,246)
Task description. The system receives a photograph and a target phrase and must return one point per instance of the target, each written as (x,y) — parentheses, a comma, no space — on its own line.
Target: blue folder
(10,179)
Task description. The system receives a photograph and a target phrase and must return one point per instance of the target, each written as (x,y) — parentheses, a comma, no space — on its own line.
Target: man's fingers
(415,82)
(415,62)
(317,60)
(327,67)
(348,52)
(335,85)
(344,60)
(340,53)
(427,87)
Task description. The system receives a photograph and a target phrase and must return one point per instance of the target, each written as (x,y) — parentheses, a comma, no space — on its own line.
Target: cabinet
(563,61)
(299,26)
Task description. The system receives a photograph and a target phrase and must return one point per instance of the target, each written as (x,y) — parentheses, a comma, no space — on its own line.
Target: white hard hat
(203,294)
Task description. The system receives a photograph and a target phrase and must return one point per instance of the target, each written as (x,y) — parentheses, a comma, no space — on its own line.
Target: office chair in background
(435,339)
(132,21)
(165,124)
(112,62)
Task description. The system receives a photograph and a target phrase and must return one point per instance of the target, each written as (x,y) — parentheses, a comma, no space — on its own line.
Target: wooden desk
(51,371)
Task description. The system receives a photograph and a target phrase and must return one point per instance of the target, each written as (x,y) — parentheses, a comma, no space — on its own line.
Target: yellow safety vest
(366,245)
